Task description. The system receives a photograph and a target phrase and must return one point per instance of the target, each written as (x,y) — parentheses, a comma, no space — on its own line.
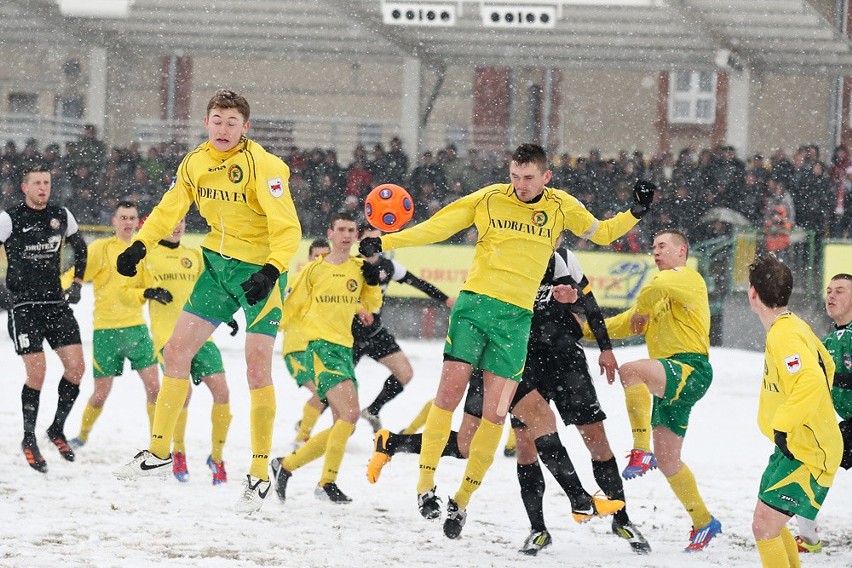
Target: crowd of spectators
(703,193)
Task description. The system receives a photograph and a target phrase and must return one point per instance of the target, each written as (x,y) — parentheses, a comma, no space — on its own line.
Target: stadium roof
(780,36)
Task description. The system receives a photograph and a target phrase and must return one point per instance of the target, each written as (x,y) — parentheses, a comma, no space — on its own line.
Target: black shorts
(375,347)
(31,324)
(562,376)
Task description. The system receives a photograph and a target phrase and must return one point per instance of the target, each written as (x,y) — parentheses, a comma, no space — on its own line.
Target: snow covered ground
(78,515)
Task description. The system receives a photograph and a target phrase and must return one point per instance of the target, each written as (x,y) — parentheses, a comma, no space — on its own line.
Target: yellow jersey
(244,196)
(324,299)
(175,268)
(795,397)
(118,300)
(679,309)
(515,239)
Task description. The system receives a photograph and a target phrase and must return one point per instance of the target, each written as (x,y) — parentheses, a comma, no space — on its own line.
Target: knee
(629,374)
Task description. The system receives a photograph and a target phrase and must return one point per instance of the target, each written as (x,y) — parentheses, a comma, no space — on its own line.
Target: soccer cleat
(631,534)
(381,455)
(76,443)
(251,499)
(373,419)
(701,537)
(58,439)
(331,492)
(511,447)
(806,547)
(218,469)
(640,462)
(32,453)
(535,542)
(598,507)
(280,477)
(144,464)
(429,504)
(454,523)
(179,467)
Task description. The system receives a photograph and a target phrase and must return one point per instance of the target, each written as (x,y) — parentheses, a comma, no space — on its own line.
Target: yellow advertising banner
(836,258)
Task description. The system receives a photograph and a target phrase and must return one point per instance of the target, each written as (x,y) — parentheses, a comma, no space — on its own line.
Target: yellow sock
(482,448)
(435,436)
(220,417)
(419,420)
(772,553)
(638,400)
(262,422)
(90,416)
(310,415)
(512,440)
(686,489)
(169,404)
(313,448)
(151,409)
(791,547)
(178,444)
(334,450)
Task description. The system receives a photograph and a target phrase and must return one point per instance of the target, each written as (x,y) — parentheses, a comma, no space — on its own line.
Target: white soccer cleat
(251,499)
(144,464)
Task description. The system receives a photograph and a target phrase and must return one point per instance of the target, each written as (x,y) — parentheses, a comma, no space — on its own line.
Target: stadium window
(692,97)
(23,103)
(72,106)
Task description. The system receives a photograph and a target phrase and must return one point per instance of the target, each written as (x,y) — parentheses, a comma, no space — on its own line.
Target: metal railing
(45,129)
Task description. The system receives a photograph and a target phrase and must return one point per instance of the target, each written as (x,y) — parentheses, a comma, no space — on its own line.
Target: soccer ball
(388,207)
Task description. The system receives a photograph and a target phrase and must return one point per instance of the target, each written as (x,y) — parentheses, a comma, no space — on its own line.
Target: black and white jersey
(392,271)
(33,240)
(553,323)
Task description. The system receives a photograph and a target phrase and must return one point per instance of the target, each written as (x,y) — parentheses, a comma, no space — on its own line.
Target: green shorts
(842,399)
(217,295)
(489,334)
(329,364)
(788,485)
(110,347)
(295,362)
(688,376)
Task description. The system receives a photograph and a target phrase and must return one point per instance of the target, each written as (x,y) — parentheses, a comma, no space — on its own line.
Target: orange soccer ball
(388,207)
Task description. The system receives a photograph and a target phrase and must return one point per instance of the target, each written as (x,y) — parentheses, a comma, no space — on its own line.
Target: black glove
(371,273)
(158,295)
(643,196)
(781,442)
(235,327)
(72,293)
(260,284)
(127,261)
(846,432)
(370,246)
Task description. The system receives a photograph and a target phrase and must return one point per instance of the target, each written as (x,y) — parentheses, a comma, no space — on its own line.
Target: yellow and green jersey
(175,268)
(294,339)
(118,299)
(679,309)
(516,239)
(324,299)
(244,196)
(798,374)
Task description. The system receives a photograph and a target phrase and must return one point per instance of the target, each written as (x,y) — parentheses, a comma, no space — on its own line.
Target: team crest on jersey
(847,361)
(235,173)
(276,187)
(351,285)
(539,218)
(54,224)
(186,262)
(793,363)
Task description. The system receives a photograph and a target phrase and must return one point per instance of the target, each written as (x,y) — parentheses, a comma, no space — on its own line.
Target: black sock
(411,443)
(68,393)
(391,388)
(609,480)
(555,457)
(29,408)
(531,480)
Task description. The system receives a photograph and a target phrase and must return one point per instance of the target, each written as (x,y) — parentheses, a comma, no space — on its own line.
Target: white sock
(808,530)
